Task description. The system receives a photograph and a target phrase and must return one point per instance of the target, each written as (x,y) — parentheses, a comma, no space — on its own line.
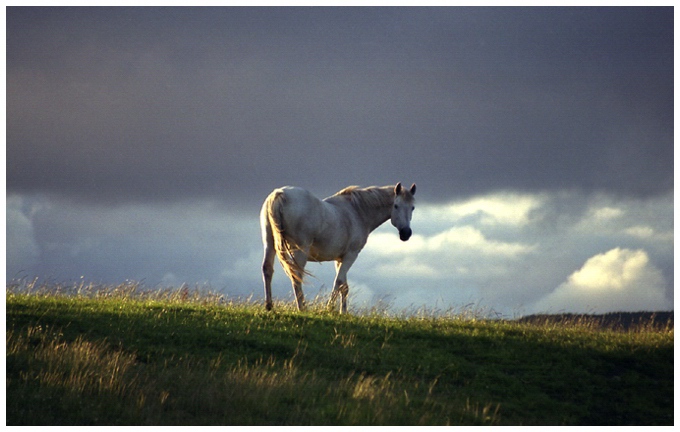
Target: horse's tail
(283,244)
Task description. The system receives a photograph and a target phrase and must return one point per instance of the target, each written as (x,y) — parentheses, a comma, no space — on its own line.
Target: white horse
(298,227)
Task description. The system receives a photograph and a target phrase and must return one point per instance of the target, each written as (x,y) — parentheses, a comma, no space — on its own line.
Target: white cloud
(618,280)
(640,231)
(645,232)
(606,213)
(407,266)
(169,279)
(493,209)
(472,238)
(463,237)
(649,219)
(21,246)
(242,268)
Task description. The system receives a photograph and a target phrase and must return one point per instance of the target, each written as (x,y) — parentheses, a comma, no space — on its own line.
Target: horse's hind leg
(267,273)
(300,258)
(268,261)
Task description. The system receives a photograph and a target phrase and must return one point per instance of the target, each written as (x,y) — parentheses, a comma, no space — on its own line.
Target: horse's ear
(397,189)
(413,189)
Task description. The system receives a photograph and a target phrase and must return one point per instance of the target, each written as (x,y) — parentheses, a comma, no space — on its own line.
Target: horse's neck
(371,212)
(381,220)
(376,216)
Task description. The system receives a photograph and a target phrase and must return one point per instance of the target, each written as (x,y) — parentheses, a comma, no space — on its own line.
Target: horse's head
(402,210)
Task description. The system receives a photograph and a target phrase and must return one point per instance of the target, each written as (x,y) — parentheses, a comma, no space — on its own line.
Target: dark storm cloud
(138,104)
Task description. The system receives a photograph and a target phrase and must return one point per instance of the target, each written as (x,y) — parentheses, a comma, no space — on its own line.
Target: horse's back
(298,200)
(302,213)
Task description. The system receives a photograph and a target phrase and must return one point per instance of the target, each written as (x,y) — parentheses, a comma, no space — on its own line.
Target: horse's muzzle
(405,234)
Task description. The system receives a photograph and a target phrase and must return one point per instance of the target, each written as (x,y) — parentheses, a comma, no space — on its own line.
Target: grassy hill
(120,357)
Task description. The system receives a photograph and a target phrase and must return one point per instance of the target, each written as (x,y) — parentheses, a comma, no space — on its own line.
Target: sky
(141,143)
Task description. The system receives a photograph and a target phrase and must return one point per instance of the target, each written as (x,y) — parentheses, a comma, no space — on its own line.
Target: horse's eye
(413,208)
(396,206)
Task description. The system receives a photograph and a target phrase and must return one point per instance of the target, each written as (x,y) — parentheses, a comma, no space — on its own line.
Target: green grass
(119,356)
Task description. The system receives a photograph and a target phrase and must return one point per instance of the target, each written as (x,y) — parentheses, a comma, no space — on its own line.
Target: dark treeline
(612,320)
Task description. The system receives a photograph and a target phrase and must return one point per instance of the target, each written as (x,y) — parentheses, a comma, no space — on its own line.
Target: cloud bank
(549,253)
(618,280)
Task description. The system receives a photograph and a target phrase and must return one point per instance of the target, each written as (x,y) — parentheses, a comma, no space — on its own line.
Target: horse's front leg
(340,285)
(336,288)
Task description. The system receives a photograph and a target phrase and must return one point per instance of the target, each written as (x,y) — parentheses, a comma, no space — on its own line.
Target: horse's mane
(373,196)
